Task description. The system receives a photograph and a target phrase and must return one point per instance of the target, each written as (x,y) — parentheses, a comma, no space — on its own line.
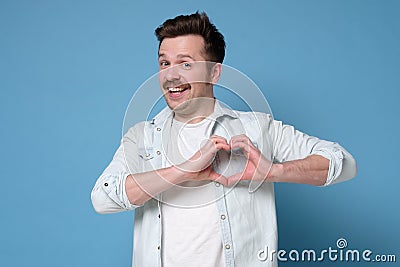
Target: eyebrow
(180,56)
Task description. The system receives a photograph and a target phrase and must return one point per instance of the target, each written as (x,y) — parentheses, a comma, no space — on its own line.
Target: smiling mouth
(177,90)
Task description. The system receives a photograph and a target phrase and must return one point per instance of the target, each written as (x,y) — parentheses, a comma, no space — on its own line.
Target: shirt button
(217,184)
(158,129)
(159,215)
(223,217)
(158,152)
(158,247)
(105,184)
(227,246)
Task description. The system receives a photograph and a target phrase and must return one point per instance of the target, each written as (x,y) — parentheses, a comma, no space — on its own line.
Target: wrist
(275,172)
(178,175)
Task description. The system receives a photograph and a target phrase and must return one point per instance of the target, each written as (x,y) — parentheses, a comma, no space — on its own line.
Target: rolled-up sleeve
(291,144)
(109,194)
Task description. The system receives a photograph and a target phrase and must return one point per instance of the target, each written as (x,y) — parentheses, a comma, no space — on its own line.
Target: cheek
(196,77)
(161,79)
(198,90)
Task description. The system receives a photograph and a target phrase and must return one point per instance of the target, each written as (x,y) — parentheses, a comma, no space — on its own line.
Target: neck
(197,110)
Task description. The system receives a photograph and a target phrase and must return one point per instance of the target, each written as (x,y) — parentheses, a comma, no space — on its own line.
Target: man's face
(184,75)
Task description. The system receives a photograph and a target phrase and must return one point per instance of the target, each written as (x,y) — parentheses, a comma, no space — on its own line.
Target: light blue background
(69,68)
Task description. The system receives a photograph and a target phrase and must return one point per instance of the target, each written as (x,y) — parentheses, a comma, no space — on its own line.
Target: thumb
(235,178)
(218,178)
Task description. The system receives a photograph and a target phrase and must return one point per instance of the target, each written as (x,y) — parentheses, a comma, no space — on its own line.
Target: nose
(172,73)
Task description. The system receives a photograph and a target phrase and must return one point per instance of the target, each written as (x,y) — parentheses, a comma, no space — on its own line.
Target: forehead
(191,45)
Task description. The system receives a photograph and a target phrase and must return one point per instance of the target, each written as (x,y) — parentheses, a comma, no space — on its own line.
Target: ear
(216,72)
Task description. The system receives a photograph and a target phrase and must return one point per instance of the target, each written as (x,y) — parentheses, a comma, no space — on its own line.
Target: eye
(163,64)
(187,65)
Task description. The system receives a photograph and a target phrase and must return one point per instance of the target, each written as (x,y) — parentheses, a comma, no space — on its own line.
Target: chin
(178,106)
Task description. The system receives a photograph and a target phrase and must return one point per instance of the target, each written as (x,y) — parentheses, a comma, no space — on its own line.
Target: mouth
(178,91)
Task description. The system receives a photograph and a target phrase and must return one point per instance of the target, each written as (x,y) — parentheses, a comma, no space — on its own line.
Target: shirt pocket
(146,154)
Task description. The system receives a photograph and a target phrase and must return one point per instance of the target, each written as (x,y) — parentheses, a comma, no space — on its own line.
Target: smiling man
(187,172)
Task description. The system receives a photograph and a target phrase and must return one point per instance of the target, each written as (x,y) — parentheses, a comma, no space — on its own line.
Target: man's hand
(257,166)
(311,170)
(198,167)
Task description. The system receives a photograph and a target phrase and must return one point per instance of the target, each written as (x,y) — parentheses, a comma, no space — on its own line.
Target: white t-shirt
(191,233)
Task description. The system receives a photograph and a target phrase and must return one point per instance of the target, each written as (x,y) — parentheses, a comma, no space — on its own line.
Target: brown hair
(198,24)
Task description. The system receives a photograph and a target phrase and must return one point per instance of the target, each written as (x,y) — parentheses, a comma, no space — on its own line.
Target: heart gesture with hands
(257,166)
(198,167)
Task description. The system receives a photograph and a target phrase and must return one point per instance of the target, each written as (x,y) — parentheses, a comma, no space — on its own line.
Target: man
(187,172)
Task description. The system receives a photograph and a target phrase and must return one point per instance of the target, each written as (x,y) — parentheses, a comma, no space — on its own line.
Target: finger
(220,142)
(222,146)
(213,147)
(240,137)
(218,139)
(251,152)
(216,136)
(240,145)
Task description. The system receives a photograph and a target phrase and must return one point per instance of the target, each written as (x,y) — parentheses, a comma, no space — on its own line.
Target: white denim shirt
(247,212)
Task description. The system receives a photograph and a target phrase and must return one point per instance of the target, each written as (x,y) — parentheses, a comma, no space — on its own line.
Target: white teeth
(175,89)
